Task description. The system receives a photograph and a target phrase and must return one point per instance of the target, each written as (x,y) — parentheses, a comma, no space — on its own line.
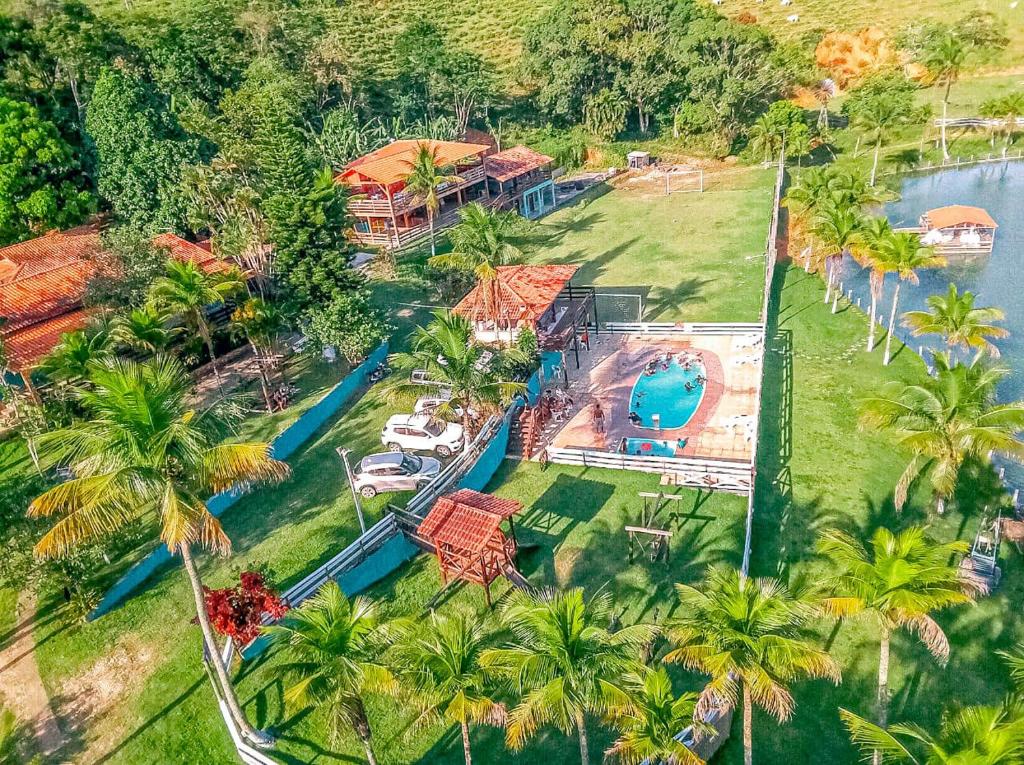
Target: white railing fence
(732,476)
(683,328)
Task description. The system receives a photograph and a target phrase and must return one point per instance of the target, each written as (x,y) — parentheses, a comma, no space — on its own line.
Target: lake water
(996,279)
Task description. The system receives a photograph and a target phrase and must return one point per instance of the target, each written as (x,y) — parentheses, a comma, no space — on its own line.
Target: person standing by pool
(598,415)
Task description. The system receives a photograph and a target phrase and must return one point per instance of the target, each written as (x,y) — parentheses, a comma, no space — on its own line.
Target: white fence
(733,476)
(683,328)
(976,122)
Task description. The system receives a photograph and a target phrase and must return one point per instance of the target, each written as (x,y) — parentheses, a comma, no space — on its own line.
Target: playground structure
(645,537)
(464,530)
(980,567)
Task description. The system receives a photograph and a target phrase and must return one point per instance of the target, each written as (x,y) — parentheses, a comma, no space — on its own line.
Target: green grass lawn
(571,533)
(693,257)
(818,471)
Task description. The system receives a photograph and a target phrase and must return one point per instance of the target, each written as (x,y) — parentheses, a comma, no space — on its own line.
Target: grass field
(818,471)
(693,257)
(571,532)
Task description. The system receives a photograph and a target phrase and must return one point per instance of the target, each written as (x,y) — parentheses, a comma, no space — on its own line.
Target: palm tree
(878,115)
(961,324)
(564,661)
(144,329)
(142,449)
(750,635)
(260,322)
(838,228)
(905,254)
(332,645)
(946,419)
(874,235)
(765,137)
(70,359)
(186,290)
(441,661)
(649,721)
(945,60)
(426,175)
(482,241)
(977,735)
(447,351)
(898,583)
(1009,109)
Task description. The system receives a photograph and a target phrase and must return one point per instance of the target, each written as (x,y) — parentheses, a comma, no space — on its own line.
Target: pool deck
(722,426)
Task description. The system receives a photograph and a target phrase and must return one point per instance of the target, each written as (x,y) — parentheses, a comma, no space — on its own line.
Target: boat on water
(957,230)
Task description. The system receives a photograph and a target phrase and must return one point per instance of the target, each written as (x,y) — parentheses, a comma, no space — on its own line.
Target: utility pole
(343,452)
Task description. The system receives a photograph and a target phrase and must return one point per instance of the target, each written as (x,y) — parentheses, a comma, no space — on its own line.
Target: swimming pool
(664,394)
(649,447)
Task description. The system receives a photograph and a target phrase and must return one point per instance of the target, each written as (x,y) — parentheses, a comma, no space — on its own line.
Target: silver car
(393,471)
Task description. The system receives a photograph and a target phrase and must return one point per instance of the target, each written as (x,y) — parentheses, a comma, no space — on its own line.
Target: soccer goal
(618,308)
(684,181)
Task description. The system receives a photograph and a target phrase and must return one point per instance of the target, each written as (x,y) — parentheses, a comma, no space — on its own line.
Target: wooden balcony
(404,201)
(403,237)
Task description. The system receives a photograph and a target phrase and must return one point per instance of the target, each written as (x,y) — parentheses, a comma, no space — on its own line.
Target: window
(412,463)
(434,428)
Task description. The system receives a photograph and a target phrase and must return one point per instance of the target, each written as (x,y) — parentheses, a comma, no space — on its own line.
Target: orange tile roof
(197,253)
(43,280)
(959,215)
(27,346)
(466,520)
(524,293)
(511,163)
(389,164)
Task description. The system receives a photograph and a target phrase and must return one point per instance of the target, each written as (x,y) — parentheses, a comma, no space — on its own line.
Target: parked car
(421,432)
(393,471)
(429,404)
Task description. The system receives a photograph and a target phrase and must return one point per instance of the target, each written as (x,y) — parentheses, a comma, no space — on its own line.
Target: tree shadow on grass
(566,503)
(684,294)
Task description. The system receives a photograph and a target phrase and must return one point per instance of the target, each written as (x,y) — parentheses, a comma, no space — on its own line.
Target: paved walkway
(22,687)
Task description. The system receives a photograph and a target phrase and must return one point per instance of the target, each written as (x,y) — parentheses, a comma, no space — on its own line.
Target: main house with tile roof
(388,215)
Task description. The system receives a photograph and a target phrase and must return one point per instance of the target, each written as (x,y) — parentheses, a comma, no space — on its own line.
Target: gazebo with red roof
(539,297)
(464,529)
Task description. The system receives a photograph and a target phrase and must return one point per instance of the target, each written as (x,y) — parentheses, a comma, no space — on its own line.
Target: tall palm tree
(564,661)
(879,115)
(481,241)
(441,661)
(144,329)
(898,584)
(765,137)
(946,419)
(648,722)
(945,60)
(186,290)
(142,449)
(961,325)
(977,735)
(751,636)
(905,254)
(332,646)
(260,322)
(874,235)
(448,352)
(426,175)
(1009,109)
(70,359)
(838,228)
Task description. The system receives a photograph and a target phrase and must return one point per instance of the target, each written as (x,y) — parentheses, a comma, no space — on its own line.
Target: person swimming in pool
(689,387)
(701,380)
(634,418)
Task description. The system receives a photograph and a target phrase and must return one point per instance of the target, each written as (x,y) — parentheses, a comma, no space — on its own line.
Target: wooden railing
(405,201)
(404,236)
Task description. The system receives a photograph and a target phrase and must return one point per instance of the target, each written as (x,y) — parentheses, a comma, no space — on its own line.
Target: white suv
(421,432)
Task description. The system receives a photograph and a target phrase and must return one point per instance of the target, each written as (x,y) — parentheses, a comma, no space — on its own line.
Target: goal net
(684,181)
(618,307)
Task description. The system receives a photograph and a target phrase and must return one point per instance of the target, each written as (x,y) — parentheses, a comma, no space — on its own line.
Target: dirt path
(22,687)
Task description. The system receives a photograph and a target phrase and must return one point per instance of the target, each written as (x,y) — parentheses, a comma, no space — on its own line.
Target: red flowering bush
(237,612)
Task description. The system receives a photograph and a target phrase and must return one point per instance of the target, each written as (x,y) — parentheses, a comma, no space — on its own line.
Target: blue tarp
(284,446)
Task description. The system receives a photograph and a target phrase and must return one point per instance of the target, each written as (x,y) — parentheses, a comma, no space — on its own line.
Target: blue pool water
(648,447)
(664,393)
